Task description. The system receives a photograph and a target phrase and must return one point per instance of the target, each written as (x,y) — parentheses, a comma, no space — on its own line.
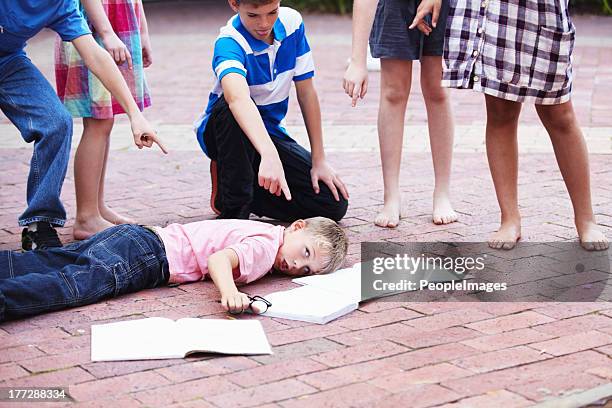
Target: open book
(323,298)
(345,281)
(310,304)
(160,338)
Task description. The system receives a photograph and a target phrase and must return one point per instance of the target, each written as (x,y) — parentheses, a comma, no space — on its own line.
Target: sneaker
(39,235)
(215,196)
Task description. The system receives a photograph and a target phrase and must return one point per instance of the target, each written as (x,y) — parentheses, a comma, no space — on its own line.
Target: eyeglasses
(257,305)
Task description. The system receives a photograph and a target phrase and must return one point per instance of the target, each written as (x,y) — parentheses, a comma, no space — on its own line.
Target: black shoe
(43,236)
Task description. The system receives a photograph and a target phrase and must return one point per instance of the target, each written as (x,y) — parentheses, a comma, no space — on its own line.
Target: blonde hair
(331,239)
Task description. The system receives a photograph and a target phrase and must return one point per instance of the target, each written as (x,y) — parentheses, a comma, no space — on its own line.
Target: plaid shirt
(518,50)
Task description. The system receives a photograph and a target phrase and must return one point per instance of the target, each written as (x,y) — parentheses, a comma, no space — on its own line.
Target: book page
(346,281)
(222,336)
(142,339)
(310,304)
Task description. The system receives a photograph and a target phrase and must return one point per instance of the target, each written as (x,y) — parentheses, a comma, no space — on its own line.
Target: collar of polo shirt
(255,44)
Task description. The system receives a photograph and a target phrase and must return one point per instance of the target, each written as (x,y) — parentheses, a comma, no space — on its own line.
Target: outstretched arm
(355,82)
(102,65)
(311,111)
(220,267)
(271,174)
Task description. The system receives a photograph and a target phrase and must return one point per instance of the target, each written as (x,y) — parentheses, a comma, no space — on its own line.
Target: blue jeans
(122,259)
(30,102)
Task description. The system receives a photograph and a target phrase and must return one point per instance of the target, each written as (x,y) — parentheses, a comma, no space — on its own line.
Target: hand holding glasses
(238,304)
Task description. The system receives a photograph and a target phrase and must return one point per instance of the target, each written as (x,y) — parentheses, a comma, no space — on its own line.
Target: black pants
(238,167)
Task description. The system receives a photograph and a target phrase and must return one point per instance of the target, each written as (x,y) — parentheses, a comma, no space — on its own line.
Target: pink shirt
(188,247)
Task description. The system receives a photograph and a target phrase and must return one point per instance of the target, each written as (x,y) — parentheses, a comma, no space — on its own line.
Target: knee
(395,94)
(434,94)
(502,113)
(60,124)
(336,210)
(56,129)
(99,127)
(557,119)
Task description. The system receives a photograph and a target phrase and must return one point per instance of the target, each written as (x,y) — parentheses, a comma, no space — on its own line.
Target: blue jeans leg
(30,102)
(119,260)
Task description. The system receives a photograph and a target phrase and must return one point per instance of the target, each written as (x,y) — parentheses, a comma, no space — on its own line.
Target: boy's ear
(297,225)
(233,5)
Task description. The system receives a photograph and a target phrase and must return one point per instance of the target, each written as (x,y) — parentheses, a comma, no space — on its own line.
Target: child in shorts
(520,52)
(397,47)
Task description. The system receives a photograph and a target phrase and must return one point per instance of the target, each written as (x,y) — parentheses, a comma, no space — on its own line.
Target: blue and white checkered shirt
(269,69)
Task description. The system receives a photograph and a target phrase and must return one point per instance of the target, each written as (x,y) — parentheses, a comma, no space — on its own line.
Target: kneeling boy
(258,54)
(128,258)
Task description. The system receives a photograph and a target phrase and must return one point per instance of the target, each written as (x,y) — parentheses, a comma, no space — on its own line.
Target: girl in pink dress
(120,26)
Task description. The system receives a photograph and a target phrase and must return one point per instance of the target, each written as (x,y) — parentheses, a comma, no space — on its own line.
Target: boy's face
(258,20)
(299,255)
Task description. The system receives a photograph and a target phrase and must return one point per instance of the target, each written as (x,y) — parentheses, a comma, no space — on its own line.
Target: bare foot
(88,227)
(443,212)
(506,237)
(390,215)
(592,238)
(111,216)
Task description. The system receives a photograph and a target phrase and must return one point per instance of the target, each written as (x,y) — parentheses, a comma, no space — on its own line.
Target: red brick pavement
(385,354)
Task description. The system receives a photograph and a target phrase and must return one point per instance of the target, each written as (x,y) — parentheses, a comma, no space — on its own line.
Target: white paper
(225,336)
(310,304)
(159,338)
(346,281)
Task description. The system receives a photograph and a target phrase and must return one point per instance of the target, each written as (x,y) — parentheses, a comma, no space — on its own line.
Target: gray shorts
(391,38)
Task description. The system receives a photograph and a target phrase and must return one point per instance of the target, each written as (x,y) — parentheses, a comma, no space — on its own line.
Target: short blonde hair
(331,239)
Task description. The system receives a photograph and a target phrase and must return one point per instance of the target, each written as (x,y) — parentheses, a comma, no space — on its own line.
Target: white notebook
(310,304)
(346,281)
(160,338)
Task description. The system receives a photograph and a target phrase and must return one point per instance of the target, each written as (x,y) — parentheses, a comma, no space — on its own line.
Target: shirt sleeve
(228,57)
(304,64)
(256,256)
(70,24)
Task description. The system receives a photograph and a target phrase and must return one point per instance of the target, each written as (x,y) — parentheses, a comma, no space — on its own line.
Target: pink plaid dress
(80,90)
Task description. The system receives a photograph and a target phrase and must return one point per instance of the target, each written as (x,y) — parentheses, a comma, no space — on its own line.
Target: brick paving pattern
(386,354)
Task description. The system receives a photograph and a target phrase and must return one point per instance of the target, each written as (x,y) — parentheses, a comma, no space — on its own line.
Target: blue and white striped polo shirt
(268,69)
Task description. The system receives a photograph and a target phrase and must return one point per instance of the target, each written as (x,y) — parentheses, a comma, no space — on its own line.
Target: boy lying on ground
(128,258)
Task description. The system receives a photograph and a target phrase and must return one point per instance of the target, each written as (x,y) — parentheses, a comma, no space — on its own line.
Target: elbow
(306,95)
(234,100)
(211,262)
(96,57)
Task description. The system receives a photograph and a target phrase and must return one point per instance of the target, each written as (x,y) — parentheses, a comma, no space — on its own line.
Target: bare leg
(441,133)
(572,157)
(107,213)
(502,152)
(396,78)
(88,164)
